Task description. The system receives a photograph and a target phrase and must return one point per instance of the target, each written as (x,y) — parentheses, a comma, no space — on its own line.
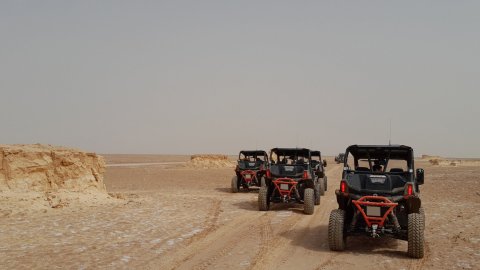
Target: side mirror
(420,176)
(324,163)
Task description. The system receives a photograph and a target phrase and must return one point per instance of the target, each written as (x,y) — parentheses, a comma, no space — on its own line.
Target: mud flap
(341,200)
(413,204)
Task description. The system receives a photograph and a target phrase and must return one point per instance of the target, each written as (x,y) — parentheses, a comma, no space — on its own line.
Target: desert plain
(163,213)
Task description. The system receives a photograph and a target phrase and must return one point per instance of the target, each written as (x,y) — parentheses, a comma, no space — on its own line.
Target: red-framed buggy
(378,198)
(290,179)
(250,170)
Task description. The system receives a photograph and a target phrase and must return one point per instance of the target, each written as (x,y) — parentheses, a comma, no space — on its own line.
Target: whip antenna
(390,134)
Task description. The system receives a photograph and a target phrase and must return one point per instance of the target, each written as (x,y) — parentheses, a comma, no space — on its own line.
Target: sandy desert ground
(169,216)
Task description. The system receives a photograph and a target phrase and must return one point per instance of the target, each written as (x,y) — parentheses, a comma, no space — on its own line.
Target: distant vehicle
(319,168)
(250,170)
(289,178)
(379,196)
(340,158)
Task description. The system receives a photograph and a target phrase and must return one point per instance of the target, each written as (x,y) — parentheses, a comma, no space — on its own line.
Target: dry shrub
(434,162)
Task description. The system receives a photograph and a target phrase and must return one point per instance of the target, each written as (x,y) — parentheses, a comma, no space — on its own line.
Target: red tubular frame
(251,172)
(378,201)
(288,181)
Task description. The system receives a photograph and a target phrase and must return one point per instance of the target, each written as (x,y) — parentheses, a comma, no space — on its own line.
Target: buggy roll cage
(254,153)
(316,154)
(289,152)
(380,153)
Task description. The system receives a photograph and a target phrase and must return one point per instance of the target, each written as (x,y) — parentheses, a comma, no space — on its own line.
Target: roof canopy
(253,152)
(291,151)
(401,152)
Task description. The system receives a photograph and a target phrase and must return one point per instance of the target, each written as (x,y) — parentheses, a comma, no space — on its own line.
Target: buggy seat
(366,183)
(292,171)
(247,165)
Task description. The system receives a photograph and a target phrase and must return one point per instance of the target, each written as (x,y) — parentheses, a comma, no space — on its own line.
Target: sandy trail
(174,217)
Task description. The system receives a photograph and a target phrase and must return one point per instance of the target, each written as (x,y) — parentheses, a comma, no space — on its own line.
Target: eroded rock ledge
(46,168)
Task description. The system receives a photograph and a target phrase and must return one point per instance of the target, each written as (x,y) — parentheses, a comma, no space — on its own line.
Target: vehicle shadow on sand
(384,246)
(242,190)
(312,238)
(252,205)
(247,205)
(316,239)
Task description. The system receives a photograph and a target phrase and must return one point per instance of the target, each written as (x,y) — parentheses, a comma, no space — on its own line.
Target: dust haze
(212,77)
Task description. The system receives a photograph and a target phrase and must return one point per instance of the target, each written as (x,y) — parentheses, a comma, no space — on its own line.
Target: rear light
(343,186)
(305,175)
(269,174)
(409,190)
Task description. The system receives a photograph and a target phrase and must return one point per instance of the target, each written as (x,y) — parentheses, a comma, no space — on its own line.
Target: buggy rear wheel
(263,203)
(317,194)
(415,235)
(235,185)
(322,186)
(308,201)
(422,213)
(336,230)
(325,181)
(262,182)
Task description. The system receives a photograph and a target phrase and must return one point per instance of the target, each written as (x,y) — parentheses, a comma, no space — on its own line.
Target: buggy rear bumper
(249,175)
(285,186)
(376,203)
(353,196)
(412,202)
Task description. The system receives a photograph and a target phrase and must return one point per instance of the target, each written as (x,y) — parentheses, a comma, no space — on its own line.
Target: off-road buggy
(250,170)
(290,179)
(340,158)
(318,166)
(379,196)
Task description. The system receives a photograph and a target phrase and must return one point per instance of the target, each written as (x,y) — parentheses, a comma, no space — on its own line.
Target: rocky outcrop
(210,161)
(46,168)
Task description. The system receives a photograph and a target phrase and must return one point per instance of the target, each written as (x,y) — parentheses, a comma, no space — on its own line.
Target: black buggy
(318,166)
(379,196)
(250,170)
(340,158)
(290,178)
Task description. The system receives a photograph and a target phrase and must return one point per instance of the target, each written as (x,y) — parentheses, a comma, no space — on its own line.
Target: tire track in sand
(221,244)
(270,241)
(266,232)
(209,225)
(214,244)
(418,263)
(298,235)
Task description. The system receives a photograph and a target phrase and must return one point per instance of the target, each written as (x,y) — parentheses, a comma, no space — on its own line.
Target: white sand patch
(125,258)
(192,233)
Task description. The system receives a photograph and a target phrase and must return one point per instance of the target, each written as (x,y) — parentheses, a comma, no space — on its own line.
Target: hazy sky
(220,76)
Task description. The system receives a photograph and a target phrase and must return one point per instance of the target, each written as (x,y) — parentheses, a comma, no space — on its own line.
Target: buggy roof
(402,152)
(291,151)
(253,152)
(315,153)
